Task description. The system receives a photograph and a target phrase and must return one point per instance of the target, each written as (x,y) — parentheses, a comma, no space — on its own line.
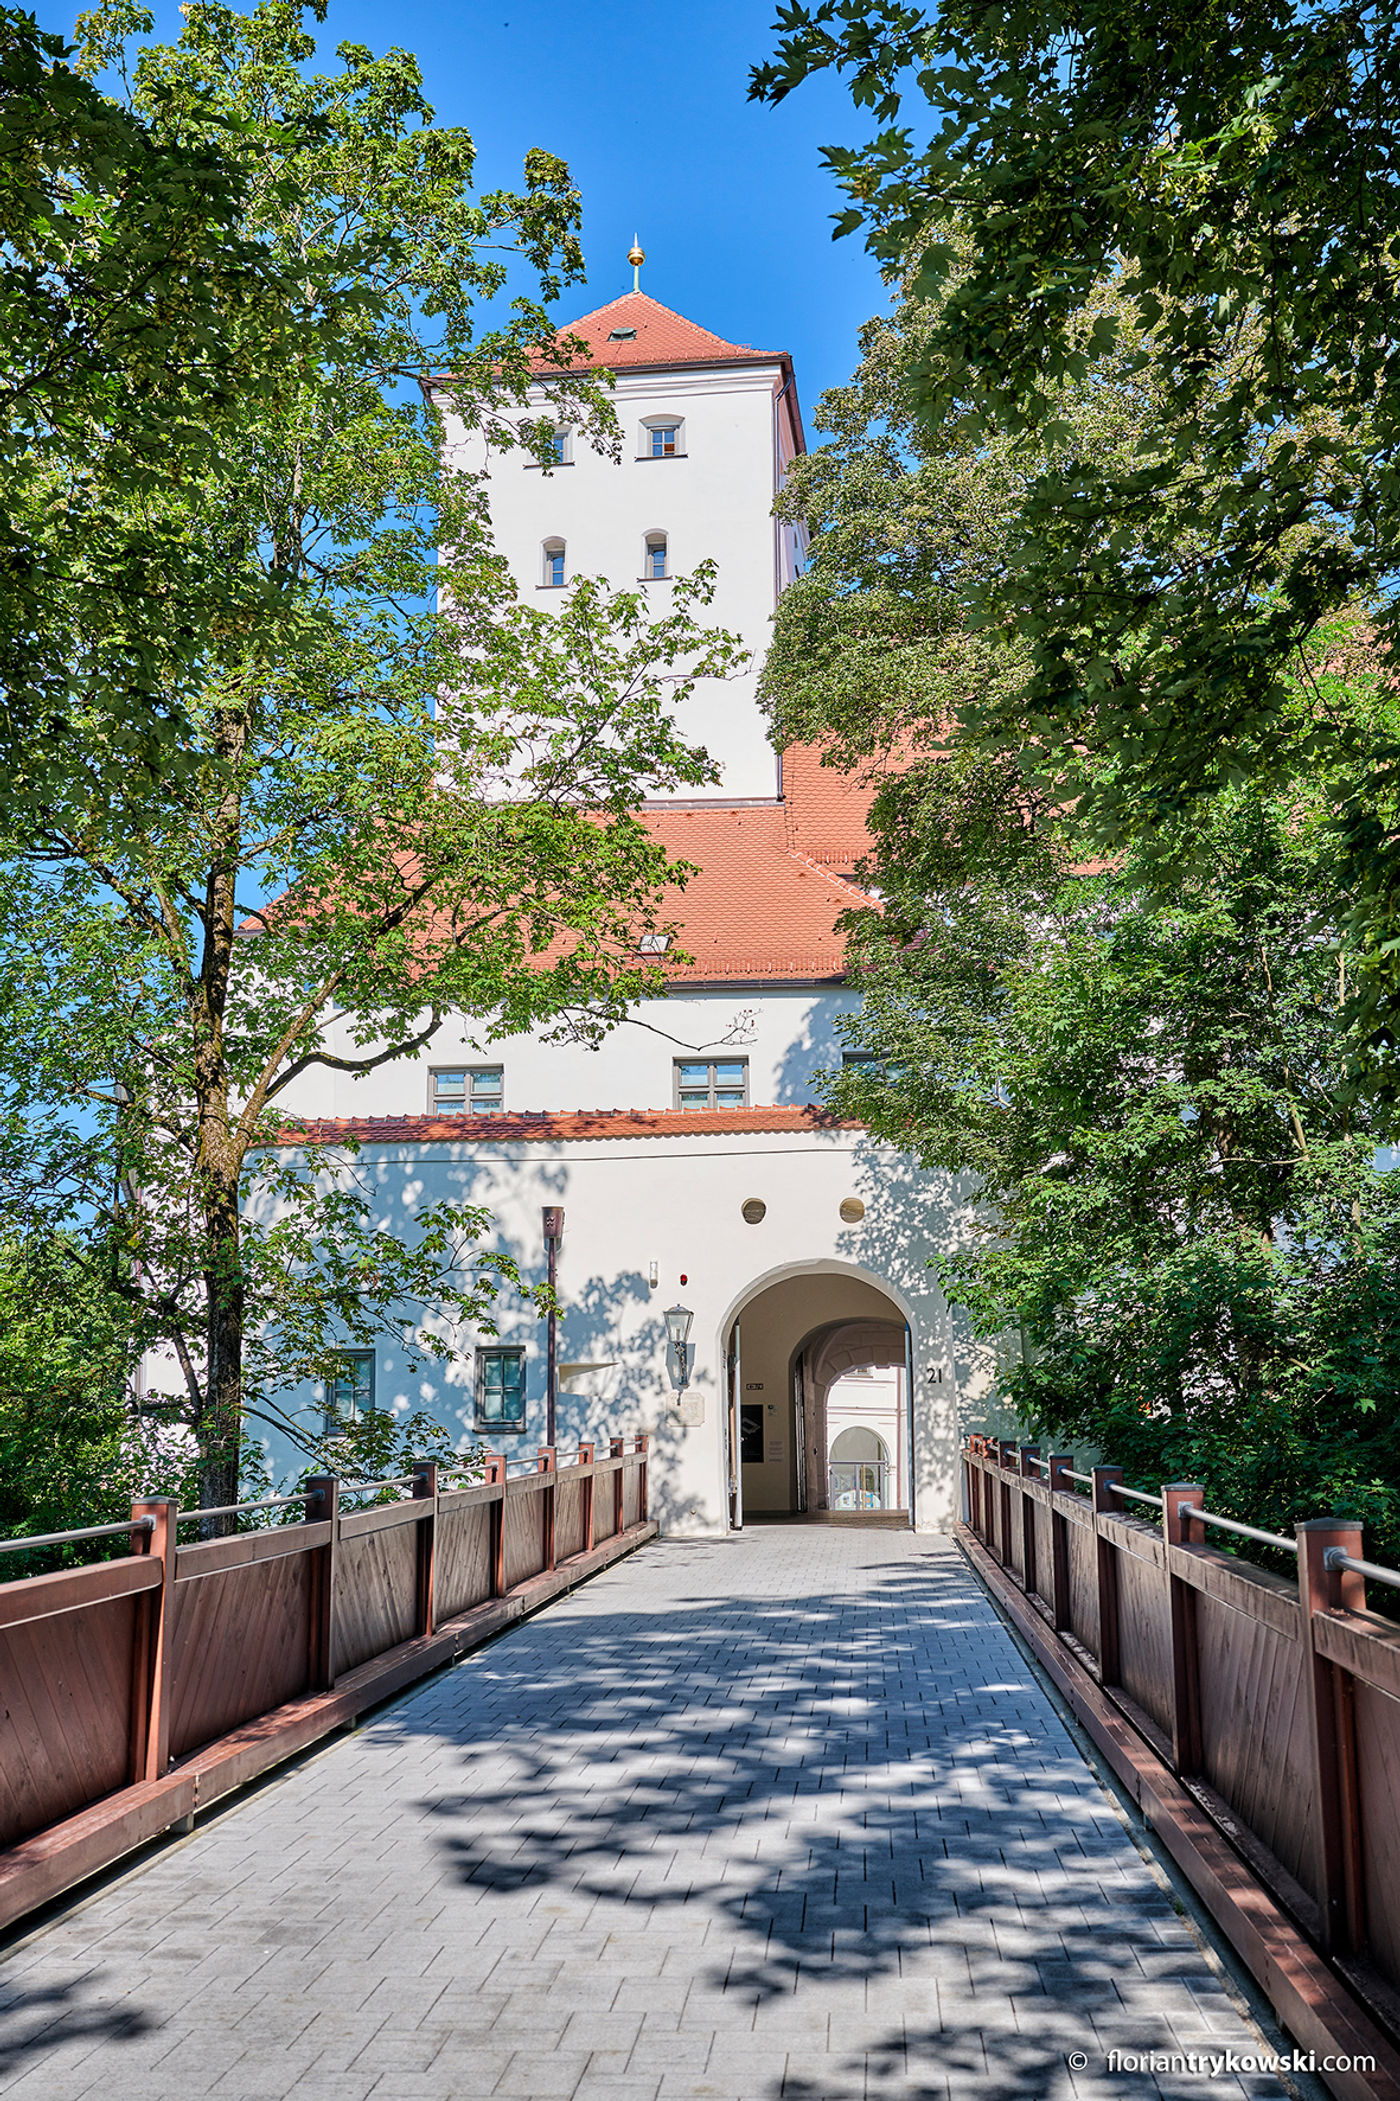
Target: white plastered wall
(675,1201)
(714,502)
(786,1036)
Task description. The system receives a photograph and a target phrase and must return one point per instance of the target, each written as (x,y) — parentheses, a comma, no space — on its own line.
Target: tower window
(654,562)
(554,564)
(714,1083)
(665,440)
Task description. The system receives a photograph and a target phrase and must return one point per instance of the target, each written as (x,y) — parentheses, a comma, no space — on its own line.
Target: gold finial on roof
(636,258)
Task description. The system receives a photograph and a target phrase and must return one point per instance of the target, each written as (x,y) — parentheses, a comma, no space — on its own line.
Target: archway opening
(819,1403)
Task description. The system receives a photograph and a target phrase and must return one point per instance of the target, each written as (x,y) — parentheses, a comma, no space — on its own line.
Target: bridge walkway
(779,1818)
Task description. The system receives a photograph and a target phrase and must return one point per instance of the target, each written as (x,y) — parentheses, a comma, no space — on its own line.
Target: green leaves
(1194,211)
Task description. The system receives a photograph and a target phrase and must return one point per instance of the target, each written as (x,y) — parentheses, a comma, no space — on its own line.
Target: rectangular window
(858,1057)
(712,1083)
(663,440)
(554,566)
(465,1090)
(350,1393)
(559,449)
(500,1389)
(656,555)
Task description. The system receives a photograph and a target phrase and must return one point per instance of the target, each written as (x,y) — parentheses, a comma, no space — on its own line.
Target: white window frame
(653,423)
(650,542)
(549,549)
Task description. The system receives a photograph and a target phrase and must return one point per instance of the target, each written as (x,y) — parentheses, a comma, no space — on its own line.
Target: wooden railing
(135,1691)
(1276,1703)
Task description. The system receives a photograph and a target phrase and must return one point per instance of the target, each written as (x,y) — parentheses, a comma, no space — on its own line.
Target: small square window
(664,440)
(500,1389)
(712,1083)
(350,1391)
(467,1090)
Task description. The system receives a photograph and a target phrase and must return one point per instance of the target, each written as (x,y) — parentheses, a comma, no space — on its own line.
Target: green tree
(136,318)
(1185,1219)
(404,793)
(1230,173)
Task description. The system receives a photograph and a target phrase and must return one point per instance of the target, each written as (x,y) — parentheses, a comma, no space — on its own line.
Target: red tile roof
(755,910)
(548,1125)
(662,338)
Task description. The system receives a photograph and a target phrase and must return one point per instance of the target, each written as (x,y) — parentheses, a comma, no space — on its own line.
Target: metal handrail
(310,1495)
(1232,1524)
(61,1539)
(359,1488)
(1071,1475)
(1139,1495)
(1338,1557)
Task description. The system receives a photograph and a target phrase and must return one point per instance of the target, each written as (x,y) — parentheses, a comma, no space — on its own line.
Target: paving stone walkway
(782,1818)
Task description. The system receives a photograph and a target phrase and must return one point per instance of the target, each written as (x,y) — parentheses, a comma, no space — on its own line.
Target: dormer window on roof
(622,335)
(653,944)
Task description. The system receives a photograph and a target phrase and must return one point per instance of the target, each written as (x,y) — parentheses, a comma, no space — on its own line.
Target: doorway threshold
(883,1520)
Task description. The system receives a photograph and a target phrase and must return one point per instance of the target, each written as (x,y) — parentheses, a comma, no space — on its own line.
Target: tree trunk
(221,1429)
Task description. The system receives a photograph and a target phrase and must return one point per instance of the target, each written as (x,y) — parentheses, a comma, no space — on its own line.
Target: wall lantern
(680,1352)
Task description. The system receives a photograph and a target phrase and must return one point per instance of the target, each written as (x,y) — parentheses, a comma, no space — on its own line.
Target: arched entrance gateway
(819,1390)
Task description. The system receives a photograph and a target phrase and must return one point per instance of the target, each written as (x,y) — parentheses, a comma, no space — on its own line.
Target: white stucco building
(687,1152)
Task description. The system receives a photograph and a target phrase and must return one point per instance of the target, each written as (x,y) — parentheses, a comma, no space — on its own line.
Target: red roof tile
(661,338)
(754,909)
(549,1125)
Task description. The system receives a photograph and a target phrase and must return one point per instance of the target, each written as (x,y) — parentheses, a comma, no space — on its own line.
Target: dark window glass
(712,1083)
(351,1393)
(500,1389)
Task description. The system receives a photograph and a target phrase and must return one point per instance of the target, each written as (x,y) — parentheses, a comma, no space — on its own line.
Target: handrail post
(585,1458)
(1006,1459)
(643,1446)
(1181,1530)
(496,1473)
(1058,1484)
(615,1445)
(321,1663)
(1106,1504)
(548,1464)
(1026,1453)
(1330,1696)
(425,1489)
(150,1692)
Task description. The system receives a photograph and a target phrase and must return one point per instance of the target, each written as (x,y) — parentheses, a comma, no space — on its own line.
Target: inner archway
(811,1358)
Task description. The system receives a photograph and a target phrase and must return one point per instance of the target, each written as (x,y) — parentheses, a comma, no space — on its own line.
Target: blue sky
(648,105)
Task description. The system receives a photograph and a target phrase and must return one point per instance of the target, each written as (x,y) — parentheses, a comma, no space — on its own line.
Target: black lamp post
(553,1233)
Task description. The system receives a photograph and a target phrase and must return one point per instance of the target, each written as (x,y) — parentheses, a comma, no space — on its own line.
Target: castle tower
(707,431)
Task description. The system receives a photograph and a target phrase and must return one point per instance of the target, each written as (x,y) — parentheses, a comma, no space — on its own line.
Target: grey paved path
(776,1817)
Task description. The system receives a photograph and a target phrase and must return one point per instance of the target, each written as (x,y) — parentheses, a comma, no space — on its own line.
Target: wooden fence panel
(1144,1635)
(604,1520)
(1254,1732)
(376,1593)
(1083,1585)
(66,1712)
(464,1574)
(568,1517)
(524,1552)
(1044,1553)
(1377,1723)
(241,1644)
(631,1495)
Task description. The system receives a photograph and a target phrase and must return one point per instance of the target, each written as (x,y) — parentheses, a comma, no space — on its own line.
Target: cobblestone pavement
(778,1816)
